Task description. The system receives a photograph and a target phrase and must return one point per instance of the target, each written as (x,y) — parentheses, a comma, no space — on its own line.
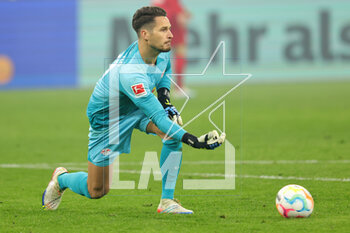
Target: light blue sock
(77,182)
(171,158)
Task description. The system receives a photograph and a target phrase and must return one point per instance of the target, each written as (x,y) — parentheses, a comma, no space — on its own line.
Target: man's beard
(160,50)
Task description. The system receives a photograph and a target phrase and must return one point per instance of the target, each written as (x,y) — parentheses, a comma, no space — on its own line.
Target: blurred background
(289,123)
(69,43)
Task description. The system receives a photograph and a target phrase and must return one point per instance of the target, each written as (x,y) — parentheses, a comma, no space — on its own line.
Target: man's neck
(148,54)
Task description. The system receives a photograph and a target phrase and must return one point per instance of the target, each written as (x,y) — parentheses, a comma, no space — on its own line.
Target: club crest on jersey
(106,151)
(139,89)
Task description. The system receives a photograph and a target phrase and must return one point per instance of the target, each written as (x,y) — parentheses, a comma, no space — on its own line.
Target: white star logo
(219,100)
(229,182)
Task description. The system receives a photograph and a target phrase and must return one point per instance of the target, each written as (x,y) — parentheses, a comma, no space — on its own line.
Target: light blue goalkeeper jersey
(123,95)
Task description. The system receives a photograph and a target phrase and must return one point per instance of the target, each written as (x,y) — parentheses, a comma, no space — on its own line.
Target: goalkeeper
(121,101)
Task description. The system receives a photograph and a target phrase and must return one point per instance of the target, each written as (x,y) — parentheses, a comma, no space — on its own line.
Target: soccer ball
(294,201)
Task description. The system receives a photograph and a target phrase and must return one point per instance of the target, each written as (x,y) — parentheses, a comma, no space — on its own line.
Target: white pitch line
(209,162)
(253,162)
(269,177)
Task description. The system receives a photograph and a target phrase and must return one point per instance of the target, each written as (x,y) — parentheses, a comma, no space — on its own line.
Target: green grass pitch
(283,134)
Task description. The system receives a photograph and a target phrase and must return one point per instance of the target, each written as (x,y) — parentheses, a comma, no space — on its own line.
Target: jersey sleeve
(136,87)
(165,80)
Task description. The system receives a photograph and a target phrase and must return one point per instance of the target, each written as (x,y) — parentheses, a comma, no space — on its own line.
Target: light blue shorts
(103,151)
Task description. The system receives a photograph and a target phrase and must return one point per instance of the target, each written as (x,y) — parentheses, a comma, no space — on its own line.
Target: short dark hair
(146,15)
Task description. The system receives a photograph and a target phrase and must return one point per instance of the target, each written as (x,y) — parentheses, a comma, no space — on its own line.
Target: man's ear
(145,34)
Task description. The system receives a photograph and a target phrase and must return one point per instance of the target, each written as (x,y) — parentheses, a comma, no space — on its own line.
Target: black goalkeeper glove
(208,141)
(164,99)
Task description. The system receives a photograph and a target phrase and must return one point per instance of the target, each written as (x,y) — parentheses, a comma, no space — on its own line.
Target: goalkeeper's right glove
(171,111)
(208,141)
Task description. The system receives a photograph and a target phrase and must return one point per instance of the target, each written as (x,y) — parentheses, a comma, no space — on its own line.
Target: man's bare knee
(98,180)
(98,191)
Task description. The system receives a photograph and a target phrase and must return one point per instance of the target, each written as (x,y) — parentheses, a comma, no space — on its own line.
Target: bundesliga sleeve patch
(139,89)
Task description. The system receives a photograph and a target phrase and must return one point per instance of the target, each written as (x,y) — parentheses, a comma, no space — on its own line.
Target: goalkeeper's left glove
(208,141)
(164,99)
